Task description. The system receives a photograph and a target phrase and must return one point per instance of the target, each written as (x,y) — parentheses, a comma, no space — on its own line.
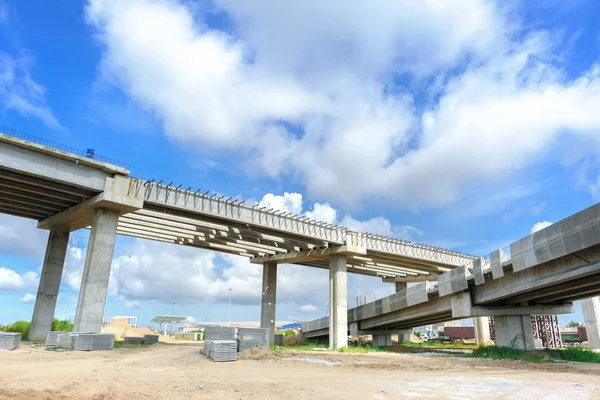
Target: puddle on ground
(311,361)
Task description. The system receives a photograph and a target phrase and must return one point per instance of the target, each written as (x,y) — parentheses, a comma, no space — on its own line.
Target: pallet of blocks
(219,333)
(52,337)
(150,339)
(252,337)
(9,340)
(223,350)
(132,340)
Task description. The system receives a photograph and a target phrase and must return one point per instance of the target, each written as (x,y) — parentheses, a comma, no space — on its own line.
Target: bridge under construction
(541,274)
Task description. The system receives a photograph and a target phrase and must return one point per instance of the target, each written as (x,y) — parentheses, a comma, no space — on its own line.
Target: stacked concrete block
(223,350)
(219,333)
(251,337)
(83,342)
(103,341)
(9,340)
(65,340)
(150,339)
(52,337)
(278,339)
(132,340)
(207,346)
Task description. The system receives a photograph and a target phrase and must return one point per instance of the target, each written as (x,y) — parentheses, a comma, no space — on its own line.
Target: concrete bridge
(544,273)
(64,192)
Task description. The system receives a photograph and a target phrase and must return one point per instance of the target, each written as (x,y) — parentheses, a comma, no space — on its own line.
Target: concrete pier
(338,302)
(591,315)
(514,331)
(482,330)
(49,286)
(269,296)
(96,272)
(382,340)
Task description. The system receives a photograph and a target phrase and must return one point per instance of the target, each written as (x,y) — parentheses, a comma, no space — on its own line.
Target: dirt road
(179,372)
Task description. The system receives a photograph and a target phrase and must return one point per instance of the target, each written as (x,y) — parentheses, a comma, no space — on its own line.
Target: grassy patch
(123,345)
(577,354)
(508,353)
(311,345)
(22,327)
(439,345)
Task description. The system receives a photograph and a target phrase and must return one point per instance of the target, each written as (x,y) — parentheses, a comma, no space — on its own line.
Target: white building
(130,320)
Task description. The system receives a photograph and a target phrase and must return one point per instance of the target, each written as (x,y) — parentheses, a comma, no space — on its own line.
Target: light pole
(229,308)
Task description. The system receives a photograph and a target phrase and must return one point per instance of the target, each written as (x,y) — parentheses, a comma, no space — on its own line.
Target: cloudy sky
(463,124)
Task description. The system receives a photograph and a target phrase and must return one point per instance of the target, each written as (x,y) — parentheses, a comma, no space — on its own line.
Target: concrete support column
(404,334)
(482,330)
(382,340)
(45,302)
(96,272)
(269,295)
(400,286)
(338,302)
(591,316)
(514,331)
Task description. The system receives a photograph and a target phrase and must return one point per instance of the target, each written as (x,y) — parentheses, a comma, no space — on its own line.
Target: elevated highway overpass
(545,272)
(65,191)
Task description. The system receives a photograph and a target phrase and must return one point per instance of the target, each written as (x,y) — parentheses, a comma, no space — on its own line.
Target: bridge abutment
(269,298)
(49,286)
(338,302)
(96,272)
(591,315)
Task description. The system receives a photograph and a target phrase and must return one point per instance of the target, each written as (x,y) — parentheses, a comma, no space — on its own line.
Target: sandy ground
(179,372)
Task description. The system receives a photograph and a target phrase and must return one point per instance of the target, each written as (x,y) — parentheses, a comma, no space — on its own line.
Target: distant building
(109,320)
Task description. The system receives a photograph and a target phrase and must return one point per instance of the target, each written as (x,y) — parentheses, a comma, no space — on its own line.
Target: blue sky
(461,125)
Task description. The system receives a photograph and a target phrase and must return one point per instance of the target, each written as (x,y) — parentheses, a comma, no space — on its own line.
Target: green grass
(311,345)
(577,354)
(123,345)
(23,327)
(439,345)
(508,353)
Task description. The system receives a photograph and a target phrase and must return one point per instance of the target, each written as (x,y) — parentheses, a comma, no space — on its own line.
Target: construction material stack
(150,339)
(132,340)
(223,350)
(52,337)
(9,340)
(213,333)
(103,341)
(65,340)
(252,337)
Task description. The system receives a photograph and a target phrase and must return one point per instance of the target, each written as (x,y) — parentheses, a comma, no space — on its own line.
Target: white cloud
(289,202)
(308,309)
(20,236)
(322,212)
(338,112)
(20,93)
(10,280)
(28,298)
(540,225)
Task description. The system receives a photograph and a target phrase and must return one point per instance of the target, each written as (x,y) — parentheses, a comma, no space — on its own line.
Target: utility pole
(229,308)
